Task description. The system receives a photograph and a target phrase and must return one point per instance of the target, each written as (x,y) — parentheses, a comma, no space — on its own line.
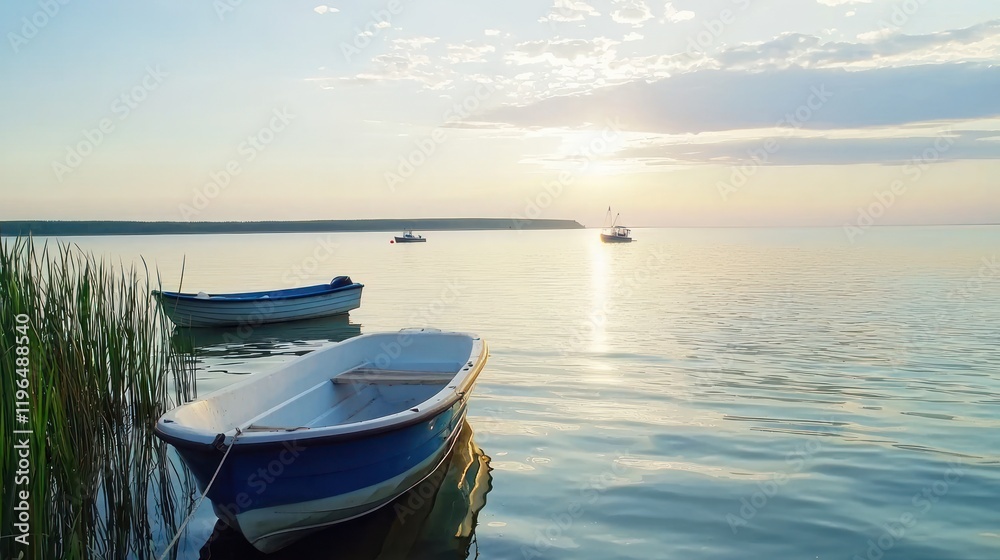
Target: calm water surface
(699,394)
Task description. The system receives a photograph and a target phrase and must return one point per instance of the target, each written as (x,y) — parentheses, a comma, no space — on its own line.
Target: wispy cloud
(569,10)
(977,43)
(714,100)
(631,12)
(673,15)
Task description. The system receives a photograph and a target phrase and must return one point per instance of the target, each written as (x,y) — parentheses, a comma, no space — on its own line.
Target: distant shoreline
(12,228)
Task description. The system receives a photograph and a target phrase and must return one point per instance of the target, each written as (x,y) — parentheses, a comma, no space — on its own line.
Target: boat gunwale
(252,297)
(343,432)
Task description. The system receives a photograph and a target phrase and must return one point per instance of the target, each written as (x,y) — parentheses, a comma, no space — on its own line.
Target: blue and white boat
(341,295)
(330,436)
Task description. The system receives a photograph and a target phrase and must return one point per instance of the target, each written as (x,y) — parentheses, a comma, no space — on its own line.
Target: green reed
(100,367)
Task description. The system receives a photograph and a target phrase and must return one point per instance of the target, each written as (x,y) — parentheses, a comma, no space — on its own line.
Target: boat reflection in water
(435,519)
(254,341)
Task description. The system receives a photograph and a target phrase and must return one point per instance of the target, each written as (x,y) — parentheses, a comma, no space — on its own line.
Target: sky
(686,113)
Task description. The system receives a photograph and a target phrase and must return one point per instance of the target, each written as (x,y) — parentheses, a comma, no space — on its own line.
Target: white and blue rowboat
(254,308)
(330,436)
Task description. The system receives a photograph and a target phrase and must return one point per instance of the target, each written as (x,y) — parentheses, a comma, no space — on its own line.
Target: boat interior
(359,394)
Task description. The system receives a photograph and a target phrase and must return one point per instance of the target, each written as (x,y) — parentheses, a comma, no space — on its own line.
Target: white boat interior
(359,394)
(367,382)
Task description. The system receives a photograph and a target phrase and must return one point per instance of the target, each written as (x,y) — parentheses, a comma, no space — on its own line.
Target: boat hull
(615,238)
(329,436)
(439,514)
(410,240)
(279,494)
(188,312)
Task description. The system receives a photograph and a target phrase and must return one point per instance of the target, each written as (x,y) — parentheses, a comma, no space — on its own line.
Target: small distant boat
(330,436)
(615,233)
(409,237)
(254,308)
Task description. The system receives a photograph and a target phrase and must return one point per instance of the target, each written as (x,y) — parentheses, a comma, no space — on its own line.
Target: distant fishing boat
(254,308)
(339,432)
(615,233)
(409,237)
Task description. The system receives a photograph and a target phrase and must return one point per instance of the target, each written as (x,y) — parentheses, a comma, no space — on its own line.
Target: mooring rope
(202,498)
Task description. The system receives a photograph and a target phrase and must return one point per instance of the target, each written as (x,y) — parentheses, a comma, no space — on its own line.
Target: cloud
(491,32)
(588,69)
(569,10)
(713,100)
(589,65)
(325,10)
(674,15)
(560,52)
(412,43)
(792,150)
(880,49)
(631,12)
(407,60)
(468,52)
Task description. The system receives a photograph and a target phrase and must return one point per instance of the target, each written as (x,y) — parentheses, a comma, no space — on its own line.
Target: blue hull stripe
(271,476)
